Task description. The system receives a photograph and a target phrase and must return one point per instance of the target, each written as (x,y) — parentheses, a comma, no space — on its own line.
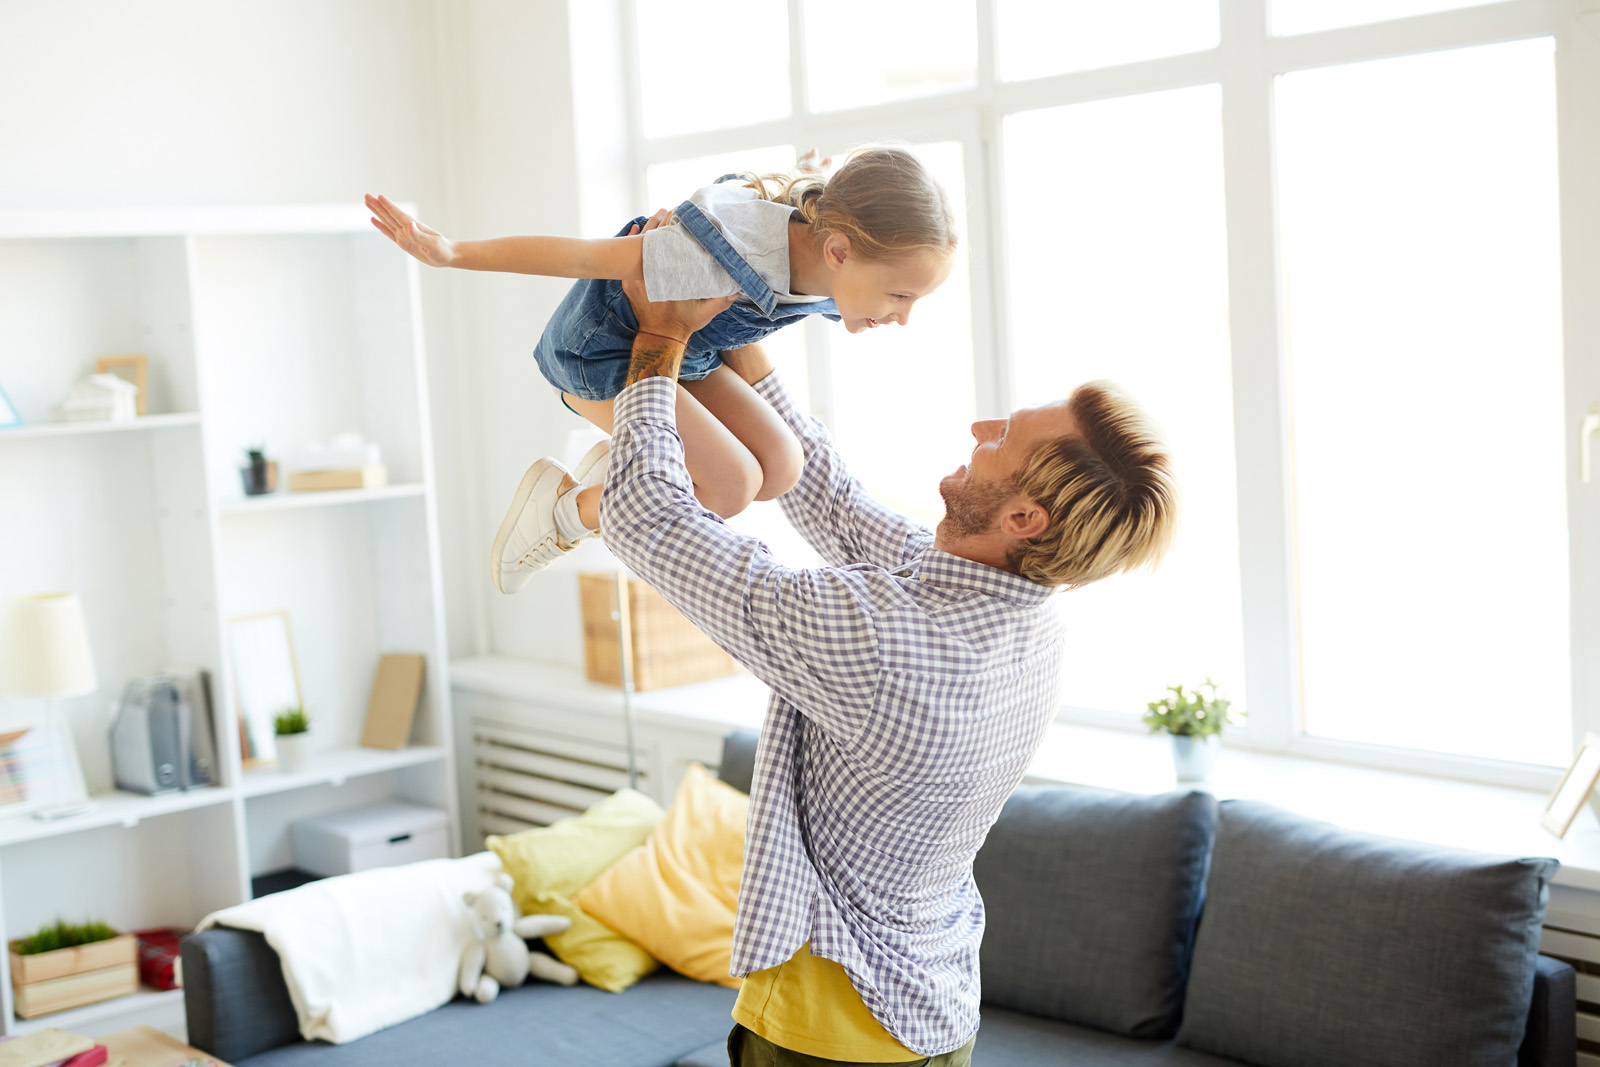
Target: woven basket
(667,648)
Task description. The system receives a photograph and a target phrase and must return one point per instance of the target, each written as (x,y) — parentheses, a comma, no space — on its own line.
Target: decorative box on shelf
(349,461)
(667,648)
(371,476)
(49,982)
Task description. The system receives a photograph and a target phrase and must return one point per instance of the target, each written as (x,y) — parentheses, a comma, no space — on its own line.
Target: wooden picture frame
(133,369)
(1574,788)
(266,681)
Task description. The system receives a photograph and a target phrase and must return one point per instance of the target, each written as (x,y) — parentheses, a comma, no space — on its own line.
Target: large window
(1323,242)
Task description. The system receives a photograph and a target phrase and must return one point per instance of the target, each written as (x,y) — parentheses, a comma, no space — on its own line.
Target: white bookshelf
(281,325)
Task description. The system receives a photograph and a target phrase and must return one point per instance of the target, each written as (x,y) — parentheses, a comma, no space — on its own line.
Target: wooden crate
(667,648)
(72,977)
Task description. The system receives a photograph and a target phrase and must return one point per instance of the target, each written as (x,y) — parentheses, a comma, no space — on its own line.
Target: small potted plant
(259,474)
(104,961)
(1194,719)
(293,735)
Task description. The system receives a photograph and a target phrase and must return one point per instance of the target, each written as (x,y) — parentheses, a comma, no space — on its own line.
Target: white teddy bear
(500,959)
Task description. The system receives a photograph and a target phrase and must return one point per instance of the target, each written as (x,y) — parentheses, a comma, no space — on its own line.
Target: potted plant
(1194,719)
(67,965)
(259,474)
(293,736)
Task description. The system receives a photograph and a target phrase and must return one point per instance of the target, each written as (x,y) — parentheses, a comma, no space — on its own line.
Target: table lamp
(44,652)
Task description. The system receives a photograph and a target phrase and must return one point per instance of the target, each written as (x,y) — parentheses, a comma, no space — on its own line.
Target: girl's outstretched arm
(552,257)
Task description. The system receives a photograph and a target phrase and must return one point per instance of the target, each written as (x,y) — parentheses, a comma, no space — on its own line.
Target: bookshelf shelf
(287,501)
(337,767)
(116,808)
(87,429)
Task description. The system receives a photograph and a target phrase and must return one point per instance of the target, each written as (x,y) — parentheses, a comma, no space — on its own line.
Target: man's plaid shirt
(910,690)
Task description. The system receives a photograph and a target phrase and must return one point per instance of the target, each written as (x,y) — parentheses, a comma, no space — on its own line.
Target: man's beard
(970,505)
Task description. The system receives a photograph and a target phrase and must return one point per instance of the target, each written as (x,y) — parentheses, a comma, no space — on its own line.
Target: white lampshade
(44,648)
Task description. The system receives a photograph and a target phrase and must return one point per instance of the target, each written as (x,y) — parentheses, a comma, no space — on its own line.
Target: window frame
(1245,64)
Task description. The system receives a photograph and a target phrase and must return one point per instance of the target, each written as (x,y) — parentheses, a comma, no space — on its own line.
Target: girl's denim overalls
(588,343)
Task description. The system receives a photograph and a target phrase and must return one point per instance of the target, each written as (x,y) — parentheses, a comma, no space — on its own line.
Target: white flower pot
(1193,757)
(292,751)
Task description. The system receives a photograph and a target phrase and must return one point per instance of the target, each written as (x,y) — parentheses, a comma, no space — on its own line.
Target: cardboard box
(372,476)
(667,648)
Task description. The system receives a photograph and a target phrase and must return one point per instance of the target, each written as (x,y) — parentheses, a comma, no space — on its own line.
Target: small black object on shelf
(259,474)
(277,881)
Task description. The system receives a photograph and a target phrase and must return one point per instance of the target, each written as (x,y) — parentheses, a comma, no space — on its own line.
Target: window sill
(1417,807)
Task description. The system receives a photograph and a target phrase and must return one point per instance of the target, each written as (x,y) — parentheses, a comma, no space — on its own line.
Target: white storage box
(379,836)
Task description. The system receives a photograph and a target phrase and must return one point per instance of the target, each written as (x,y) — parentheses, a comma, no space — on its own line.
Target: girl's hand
(810,164)
(423,242)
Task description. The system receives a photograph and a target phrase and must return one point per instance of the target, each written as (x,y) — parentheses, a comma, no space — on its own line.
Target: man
(912,678)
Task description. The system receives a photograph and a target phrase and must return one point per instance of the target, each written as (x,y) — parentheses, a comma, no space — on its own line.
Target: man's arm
(829,508)
(809,634)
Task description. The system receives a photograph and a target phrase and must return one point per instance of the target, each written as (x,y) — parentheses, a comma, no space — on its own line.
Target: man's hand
(665,326)
(423,242)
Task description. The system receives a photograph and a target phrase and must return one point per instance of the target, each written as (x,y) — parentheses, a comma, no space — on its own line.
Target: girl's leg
(759,428)
(726,474)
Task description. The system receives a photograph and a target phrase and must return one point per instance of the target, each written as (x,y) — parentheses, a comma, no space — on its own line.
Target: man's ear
(1023,519)
(835,250)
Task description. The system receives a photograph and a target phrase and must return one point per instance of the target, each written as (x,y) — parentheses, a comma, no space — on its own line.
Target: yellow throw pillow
(676,893)
(550,864)
(567,855)
(602,956)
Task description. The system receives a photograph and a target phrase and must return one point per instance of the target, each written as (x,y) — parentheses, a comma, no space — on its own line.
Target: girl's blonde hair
(1110,492)
(883,199)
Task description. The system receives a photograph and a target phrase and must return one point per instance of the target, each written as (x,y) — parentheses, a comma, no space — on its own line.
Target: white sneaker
(591,469)
(527,541)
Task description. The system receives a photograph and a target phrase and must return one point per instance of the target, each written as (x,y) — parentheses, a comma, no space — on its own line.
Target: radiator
(527,777)
(1576,939)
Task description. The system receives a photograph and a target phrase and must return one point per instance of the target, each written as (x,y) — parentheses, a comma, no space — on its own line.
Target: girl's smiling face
(871,293)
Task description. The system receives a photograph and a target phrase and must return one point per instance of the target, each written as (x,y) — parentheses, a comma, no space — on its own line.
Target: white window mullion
(1261,437)
(1578,134)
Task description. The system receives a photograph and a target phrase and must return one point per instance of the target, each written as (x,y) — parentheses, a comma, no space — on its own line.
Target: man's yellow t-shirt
(808,1005)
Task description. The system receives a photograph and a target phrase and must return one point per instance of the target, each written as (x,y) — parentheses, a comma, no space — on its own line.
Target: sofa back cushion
(1091,901)
(1321,947)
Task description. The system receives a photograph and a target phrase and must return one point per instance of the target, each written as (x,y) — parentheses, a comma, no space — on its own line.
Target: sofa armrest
(1552,1036)
(234,996)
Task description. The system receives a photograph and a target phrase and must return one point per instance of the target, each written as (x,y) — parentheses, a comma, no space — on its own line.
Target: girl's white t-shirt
(676,267)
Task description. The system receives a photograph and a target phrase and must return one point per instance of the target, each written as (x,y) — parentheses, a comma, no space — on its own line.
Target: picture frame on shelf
(266,680)
(8,412)
(132,369)
(31,775)
(1566,800)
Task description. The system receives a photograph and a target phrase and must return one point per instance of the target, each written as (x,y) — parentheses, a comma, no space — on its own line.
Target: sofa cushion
(654,1024)
(1012,1039)
(1091,901)
(1321,947)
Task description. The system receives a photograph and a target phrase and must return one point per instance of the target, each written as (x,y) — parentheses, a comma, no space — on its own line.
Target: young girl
(861,247)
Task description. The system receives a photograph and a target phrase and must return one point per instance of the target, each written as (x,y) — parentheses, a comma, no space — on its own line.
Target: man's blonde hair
(1111,494)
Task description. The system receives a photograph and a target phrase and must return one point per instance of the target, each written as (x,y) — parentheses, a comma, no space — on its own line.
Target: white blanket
(364,951)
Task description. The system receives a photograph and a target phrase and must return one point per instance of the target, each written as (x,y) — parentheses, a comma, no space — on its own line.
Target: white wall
(463,106)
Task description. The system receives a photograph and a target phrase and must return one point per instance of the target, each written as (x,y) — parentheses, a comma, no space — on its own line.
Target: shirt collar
(941,568)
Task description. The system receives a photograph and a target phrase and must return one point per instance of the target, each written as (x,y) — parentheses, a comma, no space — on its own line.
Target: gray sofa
(1316,948)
